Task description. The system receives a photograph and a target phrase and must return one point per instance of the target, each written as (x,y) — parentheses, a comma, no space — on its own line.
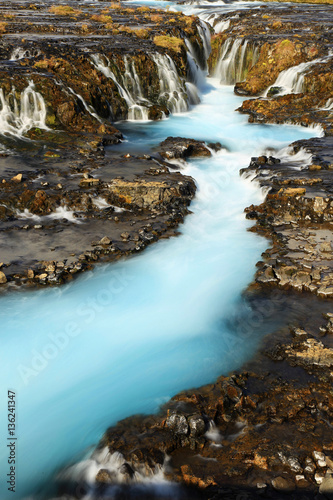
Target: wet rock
(17,178)
(149,194)
(105,241)
(127,470)
(178,424)
(89,182)
(125,236)
(274,91)
(311,353)
(105,476)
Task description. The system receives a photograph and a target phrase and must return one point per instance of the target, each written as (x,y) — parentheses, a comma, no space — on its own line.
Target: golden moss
(64,10)
(115,6)
(142,33)
(169,42)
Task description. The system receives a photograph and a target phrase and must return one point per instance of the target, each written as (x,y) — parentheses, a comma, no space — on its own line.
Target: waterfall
(291,80)
(235,60)
(172,87)
(119,473)
(135,111)
(221,26)
(19,116)
(87,107)
(192,93)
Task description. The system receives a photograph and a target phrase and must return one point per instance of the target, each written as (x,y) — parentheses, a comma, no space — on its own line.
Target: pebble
(319,477)
(318,455)
(38,226)
(17,178)
(30,274)
(105,241)
(261,486)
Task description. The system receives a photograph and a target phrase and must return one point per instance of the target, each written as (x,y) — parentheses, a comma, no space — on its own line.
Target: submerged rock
(178,147)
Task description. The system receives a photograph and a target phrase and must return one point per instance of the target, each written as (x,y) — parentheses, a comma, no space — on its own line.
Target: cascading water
(221,26)
(236,58)
(195,73)
(204,33)
(17,116)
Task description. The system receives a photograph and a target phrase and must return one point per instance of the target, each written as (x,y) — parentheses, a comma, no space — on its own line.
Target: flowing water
(126,337)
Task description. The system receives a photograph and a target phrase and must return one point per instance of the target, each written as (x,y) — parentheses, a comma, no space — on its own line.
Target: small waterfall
(132,83)
(237,57)
(291,80)
(172,87)
(87,107)
(195,74)
(213,434)
(135,111)
(19,116)
(118,474)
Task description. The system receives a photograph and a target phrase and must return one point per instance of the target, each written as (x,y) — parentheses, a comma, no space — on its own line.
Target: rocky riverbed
(64,204)
(264,431)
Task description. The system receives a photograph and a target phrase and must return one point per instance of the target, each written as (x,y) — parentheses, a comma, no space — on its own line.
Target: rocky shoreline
(264,431)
